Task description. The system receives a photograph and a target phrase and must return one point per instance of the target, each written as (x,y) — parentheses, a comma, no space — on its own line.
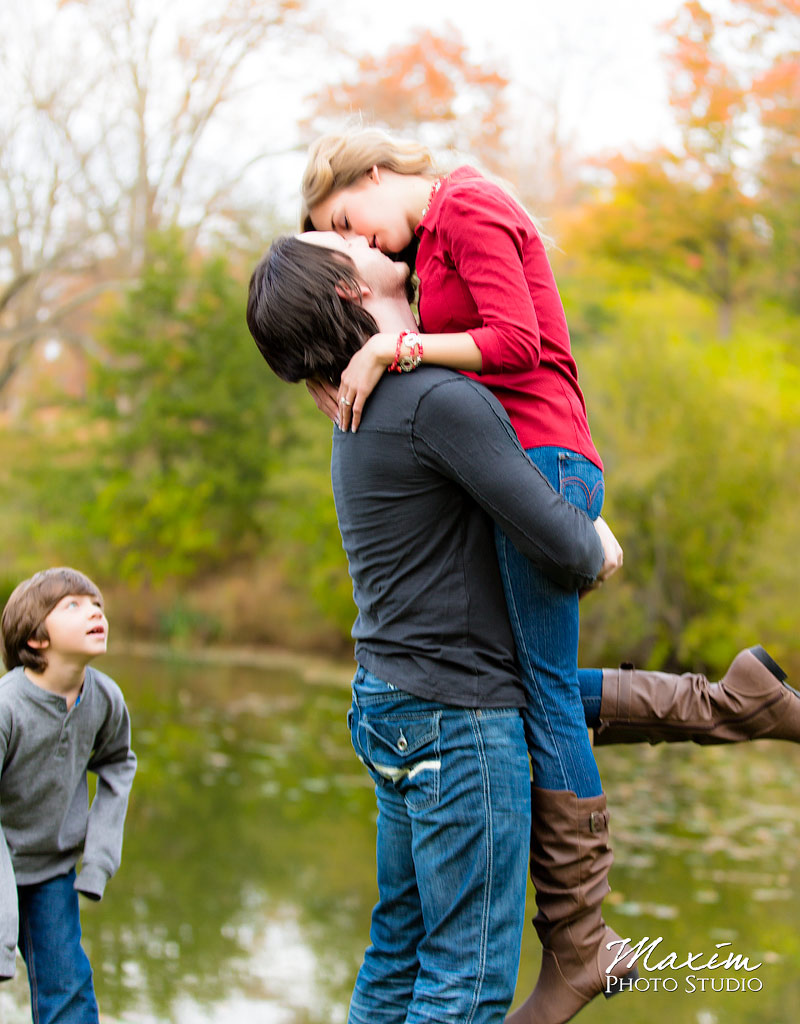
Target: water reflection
(248,870)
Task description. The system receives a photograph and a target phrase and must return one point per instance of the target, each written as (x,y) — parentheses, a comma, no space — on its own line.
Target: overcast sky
(603,59)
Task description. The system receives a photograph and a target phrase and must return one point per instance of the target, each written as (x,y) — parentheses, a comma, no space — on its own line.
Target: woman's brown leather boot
(570,861)
(750,702)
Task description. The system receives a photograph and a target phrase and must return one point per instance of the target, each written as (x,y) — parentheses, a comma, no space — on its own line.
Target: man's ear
(345,291)
(37,645)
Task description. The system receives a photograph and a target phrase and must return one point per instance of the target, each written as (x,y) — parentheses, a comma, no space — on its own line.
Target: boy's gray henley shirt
(45,819)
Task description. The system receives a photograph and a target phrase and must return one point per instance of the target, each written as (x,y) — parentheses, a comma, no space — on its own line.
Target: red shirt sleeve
(485,235)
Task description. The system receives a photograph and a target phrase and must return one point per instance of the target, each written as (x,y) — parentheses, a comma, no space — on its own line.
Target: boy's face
(77,627)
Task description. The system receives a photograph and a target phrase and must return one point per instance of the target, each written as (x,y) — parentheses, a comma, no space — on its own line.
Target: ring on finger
(345,402)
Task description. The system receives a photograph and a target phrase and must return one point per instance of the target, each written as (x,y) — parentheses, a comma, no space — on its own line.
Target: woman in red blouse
(489,306)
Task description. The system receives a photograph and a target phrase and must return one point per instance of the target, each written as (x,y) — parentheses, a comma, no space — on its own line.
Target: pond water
(248,870)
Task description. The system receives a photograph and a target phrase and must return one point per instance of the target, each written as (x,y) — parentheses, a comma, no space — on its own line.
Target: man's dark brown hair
(300,322)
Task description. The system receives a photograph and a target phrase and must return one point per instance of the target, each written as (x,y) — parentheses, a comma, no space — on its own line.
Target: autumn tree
(773,28)
(427,87)
(736,91)
(660,219)
(779,177)
(684,214)
(718,213)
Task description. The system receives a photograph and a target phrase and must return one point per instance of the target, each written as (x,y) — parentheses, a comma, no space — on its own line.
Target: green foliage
(184,412)
(705,236)
(188,458)
(207,457)
(303,516)
(699,440)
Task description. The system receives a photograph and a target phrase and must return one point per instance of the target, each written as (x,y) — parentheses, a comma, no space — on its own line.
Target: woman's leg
(545,623)
(590,683)
(751,701)
(570,855)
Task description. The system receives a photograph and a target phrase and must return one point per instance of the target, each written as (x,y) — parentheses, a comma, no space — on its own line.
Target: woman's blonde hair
(339,160)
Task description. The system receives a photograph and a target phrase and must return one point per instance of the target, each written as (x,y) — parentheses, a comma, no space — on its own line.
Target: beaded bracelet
(407,363)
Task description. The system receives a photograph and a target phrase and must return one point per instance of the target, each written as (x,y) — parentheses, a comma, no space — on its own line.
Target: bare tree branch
(109,106)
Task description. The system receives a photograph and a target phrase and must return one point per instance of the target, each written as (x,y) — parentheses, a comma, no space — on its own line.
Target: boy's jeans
(59,972)
(453,792)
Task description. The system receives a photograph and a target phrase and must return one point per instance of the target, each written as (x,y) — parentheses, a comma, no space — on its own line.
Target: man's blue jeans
(453,831)
(544,621)
(59,973)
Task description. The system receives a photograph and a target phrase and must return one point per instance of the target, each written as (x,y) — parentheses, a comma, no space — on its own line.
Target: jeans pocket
(404,750)
(580,482)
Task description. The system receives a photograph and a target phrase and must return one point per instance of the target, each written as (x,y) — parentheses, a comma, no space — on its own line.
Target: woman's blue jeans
(453,792)
(59,973)
(544,621)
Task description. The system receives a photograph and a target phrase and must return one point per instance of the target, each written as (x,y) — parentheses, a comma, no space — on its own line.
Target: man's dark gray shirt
(434,461)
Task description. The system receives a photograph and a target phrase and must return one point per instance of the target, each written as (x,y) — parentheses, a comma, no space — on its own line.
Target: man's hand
(612,553)
(324,394)
(611,550)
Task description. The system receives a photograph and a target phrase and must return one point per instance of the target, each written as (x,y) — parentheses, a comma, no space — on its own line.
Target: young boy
(58,719)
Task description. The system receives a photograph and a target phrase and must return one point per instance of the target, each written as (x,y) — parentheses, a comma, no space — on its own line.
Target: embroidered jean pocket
(580,482)
(402,750)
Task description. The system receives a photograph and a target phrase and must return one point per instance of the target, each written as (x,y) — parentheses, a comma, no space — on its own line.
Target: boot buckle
(597,821)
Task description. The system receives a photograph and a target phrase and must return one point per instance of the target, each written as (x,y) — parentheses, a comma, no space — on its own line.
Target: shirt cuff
(490,350)
(91,881)
(8,963)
